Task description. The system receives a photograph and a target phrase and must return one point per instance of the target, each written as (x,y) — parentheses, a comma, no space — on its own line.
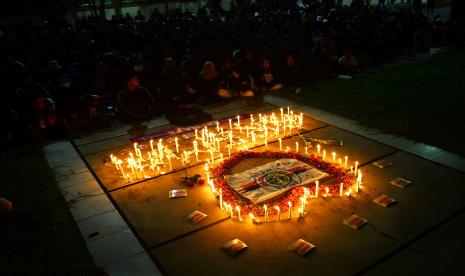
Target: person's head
(65,82)
(138,66)
(133,83)
(169,65)
(228,64)
(290,61)
(266,64)
(208,68)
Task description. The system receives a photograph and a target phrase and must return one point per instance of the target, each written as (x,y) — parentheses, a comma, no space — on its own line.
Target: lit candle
(253,138)
(316,188)
(238,120)
(288,110)
(252,217)
(327,191)
(334,156)
(297,147)
(301,119)
(229,150)
(177,144)
(222,133)
(339,162)
(306,150)
(251,120)
(135,149)
(247,131)
(230,124)
(359,181)
(282,114)
(230,138)
(208,177)
(280,144)
(169,162)
(341,188)
(238,209)
(345,162)
(230,210)
(355,171)
(266,135)
(151,144)
(318,149)
(266,212)
(196,134)
(279,212)
(221,198)
(221,156)
(122,172)
(211,154)
(302,204)
(324,155)
(217,126)
(289,204)
(206,167)
(196,150)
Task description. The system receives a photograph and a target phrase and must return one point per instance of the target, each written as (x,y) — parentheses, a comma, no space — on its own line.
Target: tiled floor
(421,233)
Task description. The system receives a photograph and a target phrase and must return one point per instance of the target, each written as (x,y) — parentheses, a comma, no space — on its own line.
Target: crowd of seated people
(61,78)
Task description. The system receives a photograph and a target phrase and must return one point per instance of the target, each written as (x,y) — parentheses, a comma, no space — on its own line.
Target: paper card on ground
(233,247)
(196,217)
(272,179)
(177,193)
(401,182)
(382,164)
(355,222)
(301,247)
(384,200)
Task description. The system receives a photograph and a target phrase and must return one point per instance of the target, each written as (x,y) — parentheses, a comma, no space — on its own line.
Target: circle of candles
(238,209)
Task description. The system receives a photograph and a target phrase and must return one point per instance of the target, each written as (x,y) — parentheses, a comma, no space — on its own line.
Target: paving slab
(114,247)
(101,225)
(445,243)
(435,194)
(337,253)
(158,219)
(408,262)
(138,265)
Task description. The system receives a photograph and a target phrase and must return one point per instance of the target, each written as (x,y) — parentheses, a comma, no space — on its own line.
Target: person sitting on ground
(348,64)
(267,81)
(234,83)
(85,113)
(208,83)
(135,102)
(179,97)
(43,124)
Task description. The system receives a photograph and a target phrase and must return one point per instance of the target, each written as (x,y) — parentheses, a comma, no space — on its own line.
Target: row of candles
(146,161)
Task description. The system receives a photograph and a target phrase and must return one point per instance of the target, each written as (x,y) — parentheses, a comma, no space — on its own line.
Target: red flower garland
(232,197)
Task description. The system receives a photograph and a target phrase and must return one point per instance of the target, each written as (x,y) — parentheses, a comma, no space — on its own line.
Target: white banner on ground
(271,179)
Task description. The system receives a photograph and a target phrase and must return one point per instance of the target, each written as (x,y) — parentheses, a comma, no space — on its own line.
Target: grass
(40,236)
(424,101)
